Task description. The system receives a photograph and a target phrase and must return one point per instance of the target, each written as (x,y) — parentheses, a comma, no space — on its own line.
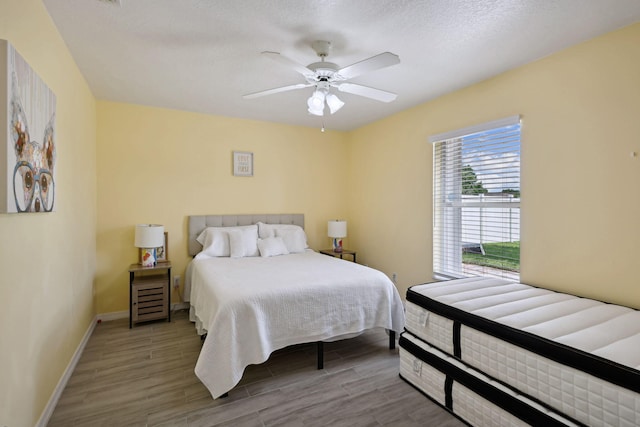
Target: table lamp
(337,231)
(148,238)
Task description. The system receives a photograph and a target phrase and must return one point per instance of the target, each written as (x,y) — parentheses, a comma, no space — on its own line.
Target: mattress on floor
(577,355)
(470,395)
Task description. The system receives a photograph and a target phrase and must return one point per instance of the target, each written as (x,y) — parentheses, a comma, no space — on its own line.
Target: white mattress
(252,306)
(577,355)
(460,388)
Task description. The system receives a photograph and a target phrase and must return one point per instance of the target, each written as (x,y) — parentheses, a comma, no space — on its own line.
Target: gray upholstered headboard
(197,223)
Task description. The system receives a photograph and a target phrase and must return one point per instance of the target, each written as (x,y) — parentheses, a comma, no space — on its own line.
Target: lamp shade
(337,229)
(149,236)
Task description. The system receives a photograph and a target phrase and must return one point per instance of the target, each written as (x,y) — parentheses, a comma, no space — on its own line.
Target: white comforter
(253,306)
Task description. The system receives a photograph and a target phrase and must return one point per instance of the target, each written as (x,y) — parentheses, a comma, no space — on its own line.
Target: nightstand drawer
(149,301)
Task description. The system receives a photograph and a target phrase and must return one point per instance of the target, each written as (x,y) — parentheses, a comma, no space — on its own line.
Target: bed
(249,306)
(573,359)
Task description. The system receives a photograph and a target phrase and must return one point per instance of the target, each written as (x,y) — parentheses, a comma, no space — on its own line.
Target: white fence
(483,224)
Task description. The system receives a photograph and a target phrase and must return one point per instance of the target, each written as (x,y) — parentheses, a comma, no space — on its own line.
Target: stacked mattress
(500,353)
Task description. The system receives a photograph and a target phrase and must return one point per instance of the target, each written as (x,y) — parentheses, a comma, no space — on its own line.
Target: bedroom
(580,105)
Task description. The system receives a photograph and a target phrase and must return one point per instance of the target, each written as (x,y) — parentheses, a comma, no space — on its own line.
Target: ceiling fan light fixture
(334,103)
(316,103)
(316,112)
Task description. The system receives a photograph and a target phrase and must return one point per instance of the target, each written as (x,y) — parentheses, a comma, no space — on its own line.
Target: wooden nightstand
(149,292)
(339,254)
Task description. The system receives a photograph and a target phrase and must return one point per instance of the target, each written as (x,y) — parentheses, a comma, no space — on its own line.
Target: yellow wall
(157,165)
(579,110)
(47,261)
(580,199)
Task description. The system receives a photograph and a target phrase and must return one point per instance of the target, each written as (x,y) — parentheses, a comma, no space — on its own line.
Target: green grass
(503,255)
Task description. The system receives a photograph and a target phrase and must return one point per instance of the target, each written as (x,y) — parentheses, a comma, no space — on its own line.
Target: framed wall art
(242,163)
(27,123)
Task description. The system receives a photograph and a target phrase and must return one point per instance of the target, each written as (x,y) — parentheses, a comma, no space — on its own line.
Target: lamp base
(337,246)
(148,257)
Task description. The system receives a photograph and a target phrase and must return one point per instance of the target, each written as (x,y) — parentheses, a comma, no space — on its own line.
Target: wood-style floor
(144,377)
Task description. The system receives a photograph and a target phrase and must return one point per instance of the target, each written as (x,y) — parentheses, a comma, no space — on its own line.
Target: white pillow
(243,242)
(236,244)
(272,246)
(265,230)
(269,230)
(215,241)
(203,235)
(294,239)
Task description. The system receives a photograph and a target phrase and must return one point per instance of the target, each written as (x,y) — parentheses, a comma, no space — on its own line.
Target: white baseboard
(62,383)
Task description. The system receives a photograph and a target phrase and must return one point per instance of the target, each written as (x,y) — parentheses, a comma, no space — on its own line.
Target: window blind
(477,201)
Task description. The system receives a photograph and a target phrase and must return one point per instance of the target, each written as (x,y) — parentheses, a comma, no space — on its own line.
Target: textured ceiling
(203,55)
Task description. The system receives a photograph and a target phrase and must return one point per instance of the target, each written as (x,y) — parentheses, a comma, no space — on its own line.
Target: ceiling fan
(326,75)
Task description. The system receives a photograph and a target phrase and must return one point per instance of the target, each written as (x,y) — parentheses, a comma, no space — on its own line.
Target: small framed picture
(162,253)
(242,163)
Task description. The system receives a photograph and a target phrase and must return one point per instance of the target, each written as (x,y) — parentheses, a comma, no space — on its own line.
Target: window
(476,201)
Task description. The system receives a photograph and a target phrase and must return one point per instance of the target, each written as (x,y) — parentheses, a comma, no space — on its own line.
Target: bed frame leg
(392,340)
(320,355)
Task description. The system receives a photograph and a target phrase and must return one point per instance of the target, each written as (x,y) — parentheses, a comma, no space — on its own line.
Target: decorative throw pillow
(294,239)
(243,242)
(272,246)
(236,244)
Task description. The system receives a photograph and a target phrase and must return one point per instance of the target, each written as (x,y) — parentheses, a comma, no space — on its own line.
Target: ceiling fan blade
(368,92)
(276,90)
(290,63)
(382,60)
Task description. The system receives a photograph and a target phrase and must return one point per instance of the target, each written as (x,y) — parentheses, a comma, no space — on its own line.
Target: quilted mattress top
(605,330)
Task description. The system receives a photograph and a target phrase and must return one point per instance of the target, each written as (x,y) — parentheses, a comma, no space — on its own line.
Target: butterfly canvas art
(29,180)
